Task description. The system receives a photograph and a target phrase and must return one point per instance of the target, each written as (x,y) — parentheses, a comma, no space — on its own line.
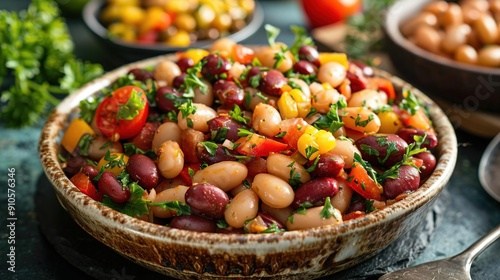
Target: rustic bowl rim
(395,15)
(66,191)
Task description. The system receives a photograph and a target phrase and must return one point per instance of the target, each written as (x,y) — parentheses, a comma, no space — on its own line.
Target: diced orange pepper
(76,129)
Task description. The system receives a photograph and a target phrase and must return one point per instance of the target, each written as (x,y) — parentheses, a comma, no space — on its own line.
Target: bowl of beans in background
(206,164)
(451,49)
(138,29)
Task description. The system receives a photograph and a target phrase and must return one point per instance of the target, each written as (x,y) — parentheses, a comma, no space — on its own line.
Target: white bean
(170,159)
(282,165)
(346,149)
(281,214)
(368,98)
(224,175)
(166,71)
(100,145)
(332,73)
(312,218)
(197,120)
(173,194)
(166,131)
(206,97)
(360,119)
(244,206)
(342,199)
(266,120)
(273,190)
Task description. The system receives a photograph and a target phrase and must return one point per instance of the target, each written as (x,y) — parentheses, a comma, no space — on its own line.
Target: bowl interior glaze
(291,255)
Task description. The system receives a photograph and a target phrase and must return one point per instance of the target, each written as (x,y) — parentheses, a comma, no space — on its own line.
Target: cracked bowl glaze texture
(290,255)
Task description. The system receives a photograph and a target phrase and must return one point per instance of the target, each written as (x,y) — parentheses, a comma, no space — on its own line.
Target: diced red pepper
(258,145)
(384,85)
(185,176)
(362,183)
(85,185)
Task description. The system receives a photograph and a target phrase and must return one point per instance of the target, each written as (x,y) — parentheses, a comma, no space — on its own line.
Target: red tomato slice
(114,125)
(85,185)
(362,183)
(258,145)
(293,128)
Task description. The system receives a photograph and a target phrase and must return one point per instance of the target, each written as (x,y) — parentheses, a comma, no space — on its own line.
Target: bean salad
(238,139)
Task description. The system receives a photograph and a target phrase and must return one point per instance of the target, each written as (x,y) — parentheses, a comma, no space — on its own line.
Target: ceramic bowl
(469,87)
(133,52)
(302,254)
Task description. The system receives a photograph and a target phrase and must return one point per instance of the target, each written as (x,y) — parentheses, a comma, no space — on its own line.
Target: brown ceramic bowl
(469,87)
(185,254)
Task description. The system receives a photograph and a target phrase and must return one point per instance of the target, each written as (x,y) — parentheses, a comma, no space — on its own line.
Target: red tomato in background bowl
(325,12)
(123,113)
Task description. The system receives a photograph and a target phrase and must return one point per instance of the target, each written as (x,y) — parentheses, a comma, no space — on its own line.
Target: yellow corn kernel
(302,102)
(114,164)
(341,58)
(287,106)
(389,122)
(195,54)
(326,141)
(307,147)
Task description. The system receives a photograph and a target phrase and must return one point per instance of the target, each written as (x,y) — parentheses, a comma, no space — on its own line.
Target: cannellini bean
(254,97)
(312,218)
(455,36)
(100,145)
(166,71)
(323,99)
(170,159)
(436,7)
(172,194)
(244,206)
(166,131)
(282,165)
(206,97)
(342,199)
(423,19)
(168,184)
(487,29)
(224,175)
(332,73)
(281,214)
(466,54)
(266,120)
(236,70)
(273,190)
(452,16)
(368,98)
(428,38)
(489,56)
(267,54)
(197,120)
(360,119)
(223,46)
(346,149)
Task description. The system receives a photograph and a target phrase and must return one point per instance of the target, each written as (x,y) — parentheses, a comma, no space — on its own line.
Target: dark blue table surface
(469,214)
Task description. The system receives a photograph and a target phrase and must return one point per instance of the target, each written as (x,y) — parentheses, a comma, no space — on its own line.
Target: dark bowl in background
(469,87)
(132,52)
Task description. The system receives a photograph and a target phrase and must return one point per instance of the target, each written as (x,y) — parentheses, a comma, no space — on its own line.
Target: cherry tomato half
(123,114)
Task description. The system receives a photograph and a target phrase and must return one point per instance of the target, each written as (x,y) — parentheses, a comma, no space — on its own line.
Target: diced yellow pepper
(389,122)
(315,142)
(114,164)
(340,58)
(195,54)
(76,129)
(293,104)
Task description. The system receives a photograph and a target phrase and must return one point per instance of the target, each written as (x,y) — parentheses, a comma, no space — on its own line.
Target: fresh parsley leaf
(328,210)
(211,147)
(131,109)
(272,33)
(178,207)
(237,115)
(136,206)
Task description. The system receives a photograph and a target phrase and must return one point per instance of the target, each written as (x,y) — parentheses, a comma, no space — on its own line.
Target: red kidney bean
(255,166)
(269,220)
(230,126)
(213,66)
(328,165)
(272,82)
(166,97)
(408,180)
(305,67)
(228,92)
(109,185)
(382,149)
(358,205)
(143,170)
(207,200)
(429,163)
(253,77)
(193,223)
(315,191)
(185,63)
(407,134)
(221,153)
(141,74)
(178,81)
(90,171)
(74,165)
(357,78)
(144,139)
(310,54)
